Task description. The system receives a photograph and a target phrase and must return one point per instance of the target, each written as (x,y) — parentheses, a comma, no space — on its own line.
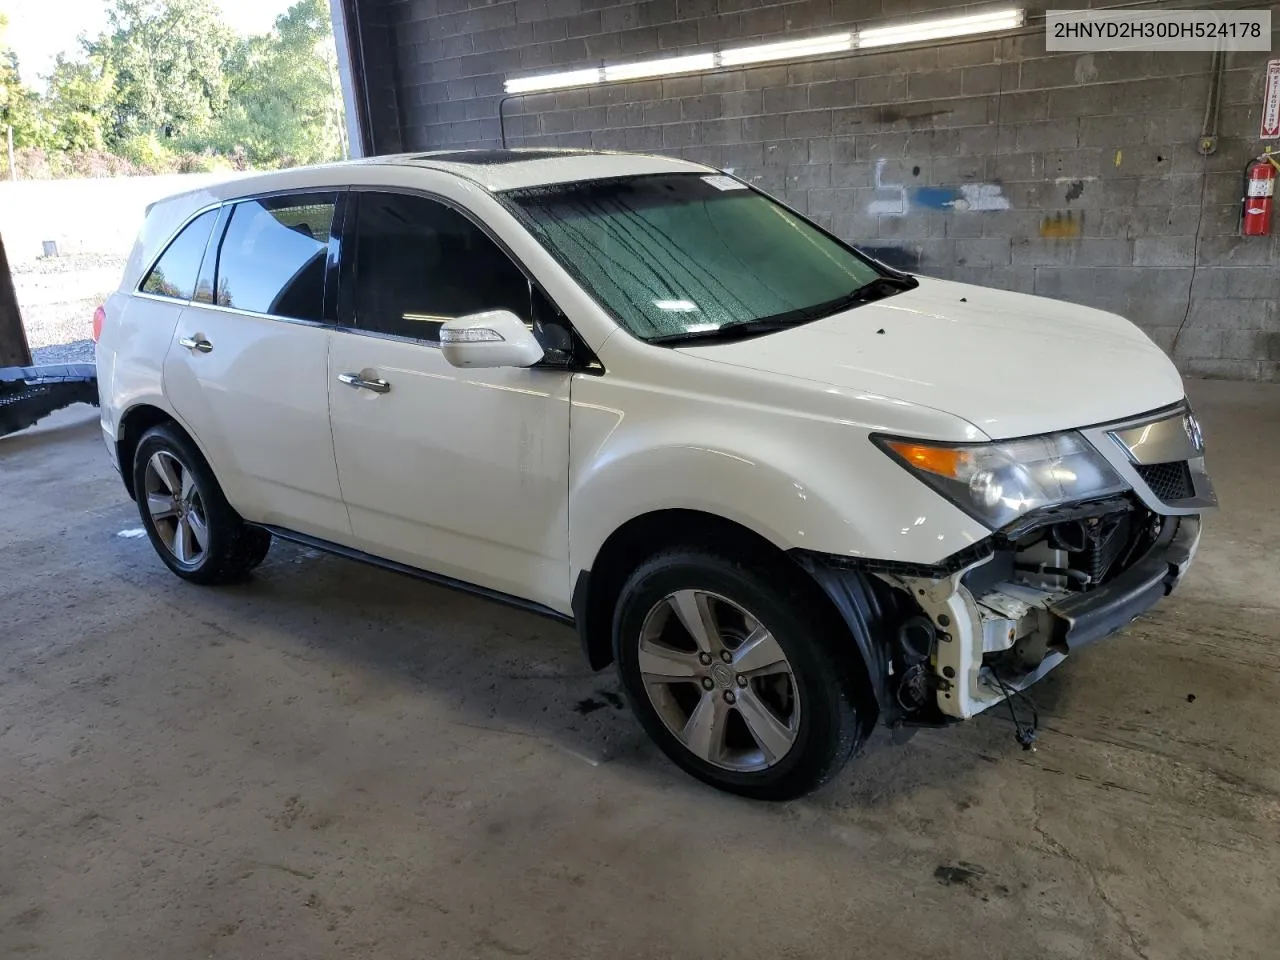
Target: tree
(19,107)
(167,80)
(284,107)
(166,57)
(80,101)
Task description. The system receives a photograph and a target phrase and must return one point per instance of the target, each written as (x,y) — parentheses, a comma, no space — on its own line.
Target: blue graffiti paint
(936,198)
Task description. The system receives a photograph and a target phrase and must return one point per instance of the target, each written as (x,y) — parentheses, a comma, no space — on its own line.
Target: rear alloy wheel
(176,508)
(739,672)
(192,527)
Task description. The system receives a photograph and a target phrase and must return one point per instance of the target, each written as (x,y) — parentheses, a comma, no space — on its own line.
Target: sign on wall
(1271,103)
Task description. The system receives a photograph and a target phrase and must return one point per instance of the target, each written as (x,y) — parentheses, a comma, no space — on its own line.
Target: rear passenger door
(247,366)
(460,472)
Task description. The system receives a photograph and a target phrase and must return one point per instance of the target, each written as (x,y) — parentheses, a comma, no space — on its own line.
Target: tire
(816,707)
(165,458)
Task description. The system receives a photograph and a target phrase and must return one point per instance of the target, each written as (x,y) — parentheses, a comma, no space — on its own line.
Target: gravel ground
(57,298)
(78,351)
(71,263)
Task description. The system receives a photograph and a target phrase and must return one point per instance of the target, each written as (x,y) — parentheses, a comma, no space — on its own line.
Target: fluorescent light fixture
(938,29)
(661,68)
(554,81)
(677,306)
(787,50)
(942,28)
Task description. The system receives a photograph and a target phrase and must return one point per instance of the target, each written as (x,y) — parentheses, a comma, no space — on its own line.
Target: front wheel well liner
(596,591)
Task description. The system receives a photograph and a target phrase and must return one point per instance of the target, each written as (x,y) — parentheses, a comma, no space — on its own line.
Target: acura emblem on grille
(1192,426)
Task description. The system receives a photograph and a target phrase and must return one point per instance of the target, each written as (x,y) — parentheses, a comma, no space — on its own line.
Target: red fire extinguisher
(1259,197)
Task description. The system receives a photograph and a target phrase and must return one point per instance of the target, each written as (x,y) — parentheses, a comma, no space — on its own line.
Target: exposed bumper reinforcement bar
(1083,618)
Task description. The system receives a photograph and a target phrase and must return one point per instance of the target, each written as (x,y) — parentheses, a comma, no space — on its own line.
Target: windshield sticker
(721,182)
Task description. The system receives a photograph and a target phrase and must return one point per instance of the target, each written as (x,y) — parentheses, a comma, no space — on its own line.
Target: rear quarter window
(174,274)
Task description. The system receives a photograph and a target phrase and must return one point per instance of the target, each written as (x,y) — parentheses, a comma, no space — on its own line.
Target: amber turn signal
(944,461)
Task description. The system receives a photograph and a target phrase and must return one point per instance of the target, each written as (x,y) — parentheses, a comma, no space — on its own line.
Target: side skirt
(439,579)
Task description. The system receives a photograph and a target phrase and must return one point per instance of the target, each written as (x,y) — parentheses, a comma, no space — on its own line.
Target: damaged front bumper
(947,640)
(1018,632)
(945,644)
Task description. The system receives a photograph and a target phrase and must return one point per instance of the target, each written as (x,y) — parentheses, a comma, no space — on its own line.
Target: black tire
(830,689)
(232,547)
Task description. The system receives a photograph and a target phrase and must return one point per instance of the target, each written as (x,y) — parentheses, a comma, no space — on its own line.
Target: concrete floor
(334,761)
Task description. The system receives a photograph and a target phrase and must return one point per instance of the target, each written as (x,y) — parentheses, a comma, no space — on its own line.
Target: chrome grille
(1168,481)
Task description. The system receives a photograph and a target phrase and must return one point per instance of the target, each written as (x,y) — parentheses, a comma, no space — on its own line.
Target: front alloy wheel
(740,670)
(719,681)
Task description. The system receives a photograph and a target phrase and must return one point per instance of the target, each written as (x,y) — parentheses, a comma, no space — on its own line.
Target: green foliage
(145,150)
(283,103)
(82,97)
(202,163)
(167,58)
(167,87)
(19,107)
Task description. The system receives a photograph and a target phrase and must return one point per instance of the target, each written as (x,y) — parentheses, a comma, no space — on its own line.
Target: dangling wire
(1025,735)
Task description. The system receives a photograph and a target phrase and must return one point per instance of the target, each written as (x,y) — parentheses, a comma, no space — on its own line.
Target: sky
(40,29)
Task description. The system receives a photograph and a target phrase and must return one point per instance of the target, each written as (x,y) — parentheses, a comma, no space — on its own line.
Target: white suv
(788,490)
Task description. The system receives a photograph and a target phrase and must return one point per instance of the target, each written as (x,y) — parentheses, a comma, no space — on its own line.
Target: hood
(1010,364)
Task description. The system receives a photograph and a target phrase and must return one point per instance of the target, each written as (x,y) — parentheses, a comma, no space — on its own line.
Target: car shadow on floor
(65,426)
(493,666)
(510,670)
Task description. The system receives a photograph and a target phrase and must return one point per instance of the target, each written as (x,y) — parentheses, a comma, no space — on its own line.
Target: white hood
(1010,364)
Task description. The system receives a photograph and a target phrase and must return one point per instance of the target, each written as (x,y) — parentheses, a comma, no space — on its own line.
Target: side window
(174,274)
(419,263)
(272,257)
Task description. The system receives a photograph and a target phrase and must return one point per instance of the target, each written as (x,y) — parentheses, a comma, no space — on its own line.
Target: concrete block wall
(1073,176)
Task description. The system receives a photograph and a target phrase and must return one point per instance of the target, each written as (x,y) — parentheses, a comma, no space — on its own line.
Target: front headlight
(999,482)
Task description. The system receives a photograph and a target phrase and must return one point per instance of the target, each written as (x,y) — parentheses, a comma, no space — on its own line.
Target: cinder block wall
(1074,176)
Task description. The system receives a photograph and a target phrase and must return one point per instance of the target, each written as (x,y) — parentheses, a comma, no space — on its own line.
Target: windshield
(678,254)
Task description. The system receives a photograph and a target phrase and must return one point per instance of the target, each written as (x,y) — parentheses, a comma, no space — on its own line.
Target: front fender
(798,479)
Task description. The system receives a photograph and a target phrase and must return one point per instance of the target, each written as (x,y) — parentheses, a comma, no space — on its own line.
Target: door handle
(360,383)
(203,345)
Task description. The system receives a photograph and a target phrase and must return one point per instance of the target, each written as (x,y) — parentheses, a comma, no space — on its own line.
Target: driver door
(461,472)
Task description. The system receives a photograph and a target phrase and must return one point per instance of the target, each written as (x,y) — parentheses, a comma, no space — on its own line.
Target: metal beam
(14,351)
(357,127)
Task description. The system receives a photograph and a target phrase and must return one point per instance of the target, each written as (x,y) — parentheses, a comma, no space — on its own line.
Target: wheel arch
(596,591)
(134,423)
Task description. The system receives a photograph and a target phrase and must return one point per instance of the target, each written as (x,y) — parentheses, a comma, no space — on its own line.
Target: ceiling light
(787,50)
(942,28)
(554,81)
(924,30)
(661,68)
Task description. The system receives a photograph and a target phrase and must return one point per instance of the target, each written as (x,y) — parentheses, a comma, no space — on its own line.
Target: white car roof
(534,167)
(494,170)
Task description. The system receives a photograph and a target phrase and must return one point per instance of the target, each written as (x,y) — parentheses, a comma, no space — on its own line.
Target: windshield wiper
(877,289)
(734,331)
(885,286)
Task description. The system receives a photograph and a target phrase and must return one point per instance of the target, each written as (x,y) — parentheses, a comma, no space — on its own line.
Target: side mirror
(494,338)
